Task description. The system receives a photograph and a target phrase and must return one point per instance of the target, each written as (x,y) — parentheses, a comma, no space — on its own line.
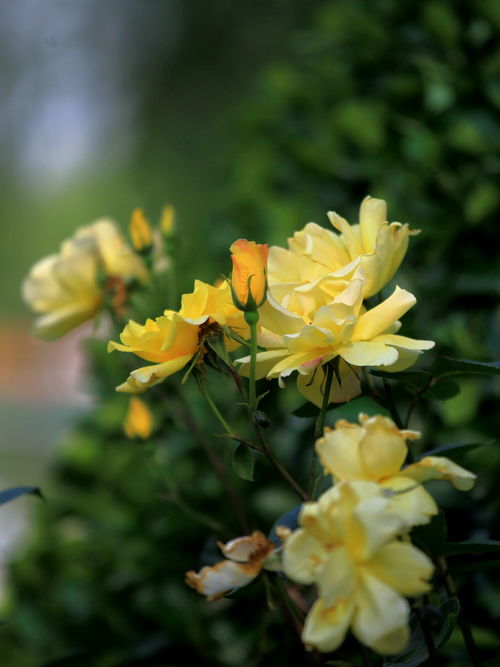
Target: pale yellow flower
(66,288)
(138,422)
(172,340)
(342,328)
(347,546)
(375,450)
(374,244)
(246,557)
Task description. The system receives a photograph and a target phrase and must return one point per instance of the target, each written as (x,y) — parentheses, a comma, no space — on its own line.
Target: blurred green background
(251,119)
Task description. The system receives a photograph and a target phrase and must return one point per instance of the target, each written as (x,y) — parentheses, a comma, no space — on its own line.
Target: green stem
(251,318)
(320,422)
(391,404)
(187,419)
(451,589)
(212,405)
(426,631)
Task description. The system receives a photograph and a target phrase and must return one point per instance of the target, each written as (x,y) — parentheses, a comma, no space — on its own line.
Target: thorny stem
(416,400)
(217,465)
(451,589)
(264,448)
(252,318)
(320,422)
(433,658)
(212,405)
(194,514)
(391,404)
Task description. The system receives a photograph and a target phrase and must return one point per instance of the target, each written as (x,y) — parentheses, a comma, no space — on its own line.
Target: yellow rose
(248,280)
(64,288)
(138,422)
(342,328)
(375,245)
(347,546)
(172,340)
(375,450)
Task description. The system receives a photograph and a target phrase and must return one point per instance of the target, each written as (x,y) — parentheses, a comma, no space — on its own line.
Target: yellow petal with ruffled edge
(439,467)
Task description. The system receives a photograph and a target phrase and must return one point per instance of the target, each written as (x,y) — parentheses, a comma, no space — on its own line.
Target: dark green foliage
(399,100)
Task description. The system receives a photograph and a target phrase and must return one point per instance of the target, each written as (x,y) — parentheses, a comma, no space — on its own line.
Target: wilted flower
(66,288)
(375,450)
(246,557)
(347,546)
(172,340)
(249,276)
(138,422)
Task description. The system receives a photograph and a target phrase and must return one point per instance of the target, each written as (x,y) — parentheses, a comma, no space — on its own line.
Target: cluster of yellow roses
(353,543)
(315,310)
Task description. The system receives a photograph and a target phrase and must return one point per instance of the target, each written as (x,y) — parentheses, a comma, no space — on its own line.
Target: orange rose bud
(249,277)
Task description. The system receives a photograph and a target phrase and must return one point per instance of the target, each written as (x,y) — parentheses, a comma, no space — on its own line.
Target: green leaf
(432,536)
(415,379)
(417,653)
(446,366)
(474,566)
(10,494)
(458,448)
(443,390)
(216,343)
(306,411)
(350,410)
(243,462)
(470,547)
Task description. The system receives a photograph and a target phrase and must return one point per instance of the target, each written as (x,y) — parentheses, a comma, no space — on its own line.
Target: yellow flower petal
(337,578)
(439,467)
(368,353)
(138,422)
(312,386)
(372,213)
(325,628)
(303,557)
(376,320)
(403,568)
(381,617)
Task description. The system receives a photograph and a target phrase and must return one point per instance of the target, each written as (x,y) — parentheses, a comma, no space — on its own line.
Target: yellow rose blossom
(140,231)
(375,450)
(172,340)
(374,244)
(249,276)
(65,288)
(343,329)
(138,422)
(347,546)
(245,558)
